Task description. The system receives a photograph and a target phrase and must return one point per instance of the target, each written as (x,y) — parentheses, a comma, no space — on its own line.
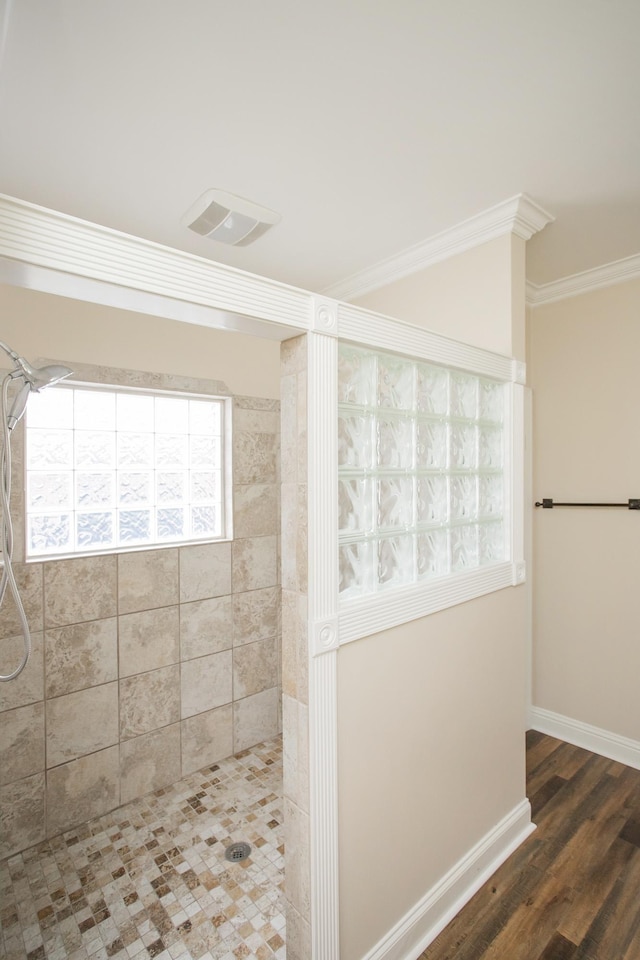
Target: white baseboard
(607,744)
(438,907)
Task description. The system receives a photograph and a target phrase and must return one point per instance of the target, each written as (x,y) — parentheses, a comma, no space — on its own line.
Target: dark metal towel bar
(548,503)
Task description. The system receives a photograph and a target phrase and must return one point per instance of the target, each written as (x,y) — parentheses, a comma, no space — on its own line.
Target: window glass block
(204,521)
(491,401)
(134,526)
(50,532)
(171,415)
(171,523)
(135,487)
(432,499)
(394,503)
(94,410)
(356,563)
(50,490)
(395,444)
(491,495)
(464,501)
(432,554)
(53,409)
(356,376)
(171,450)
(432,445)
(48,449)
(355,510)
(205,417)
(94,489)
(463,396)
(94,530)
(205,452)
(463,446)
(205,486)
(395,561)
(490,447)
(491,542)
(395,383)
(432,389)
(171,485)
(94,448)
(135,412)
(135,449)
(464,547)
(355,448)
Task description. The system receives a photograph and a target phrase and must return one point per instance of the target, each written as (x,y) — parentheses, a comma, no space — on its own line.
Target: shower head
(35,379)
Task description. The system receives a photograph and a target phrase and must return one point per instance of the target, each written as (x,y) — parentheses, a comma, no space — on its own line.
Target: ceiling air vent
(229,219)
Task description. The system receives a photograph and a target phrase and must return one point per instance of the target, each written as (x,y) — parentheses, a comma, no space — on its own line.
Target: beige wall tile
(81,655)
(255,421)
(22,819)
(293,355)
(148,579)
(148,701)
(29,578)
(28,687)
(206,683)
(289,424)
(255,457)
(148,640)
(79,590)
(205,571)
(255,510)
(254,563)
(256,719)
(82,789)
(298,878)
(289,526)
(206,627)
(256,615)
(301,418)
(207,738)
(255,668)
(149,762)
(22,742)
(81,723)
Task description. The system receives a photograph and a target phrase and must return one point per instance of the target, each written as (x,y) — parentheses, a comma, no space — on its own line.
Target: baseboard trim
(607,744)
(438,907)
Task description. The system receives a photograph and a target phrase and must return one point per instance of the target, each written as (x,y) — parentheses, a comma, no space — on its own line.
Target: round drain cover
(237,851)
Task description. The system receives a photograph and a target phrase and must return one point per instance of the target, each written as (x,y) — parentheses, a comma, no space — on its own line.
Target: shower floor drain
(237,851)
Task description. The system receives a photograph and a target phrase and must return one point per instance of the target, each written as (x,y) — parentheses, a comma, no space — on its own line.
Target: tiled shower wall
(147,665)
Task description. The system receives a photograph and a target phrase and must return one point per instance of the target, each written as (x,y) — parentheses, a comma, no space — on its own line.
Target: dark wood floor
(572,890)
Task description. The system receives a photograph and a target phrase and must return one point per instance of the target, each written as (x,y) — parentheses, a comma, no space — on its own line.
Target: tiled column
(295,684)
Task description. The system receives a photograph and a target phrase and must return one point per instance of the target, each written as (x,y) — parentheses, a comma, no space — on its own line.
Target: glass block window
(110,469)
(421,471)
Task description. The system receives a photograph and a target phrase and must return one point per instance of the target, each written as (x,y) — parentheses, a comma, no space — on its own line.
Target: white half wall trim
(428,918)
(607,744)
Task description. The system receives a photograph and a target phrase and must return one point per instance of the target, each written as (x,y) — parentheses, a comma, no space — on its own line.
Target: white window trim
(362,617)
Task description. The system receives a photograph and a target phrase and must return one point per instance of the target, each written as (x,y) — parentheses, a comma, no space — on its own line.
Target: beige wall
(486,308)
(42,325)
(586,396)
(432,713)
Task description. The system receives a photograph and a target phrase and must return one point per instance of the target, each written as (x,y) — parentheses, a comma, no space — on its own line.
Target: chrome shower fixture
(30,380)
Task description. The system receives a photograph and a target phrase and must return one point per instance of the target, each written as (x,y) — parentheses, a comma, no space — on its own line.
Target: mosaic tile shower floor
(150,878)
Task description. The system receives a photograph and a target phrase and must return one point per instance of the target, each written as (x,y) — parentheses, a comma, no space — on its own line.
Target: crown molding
(519,215)
(605,276)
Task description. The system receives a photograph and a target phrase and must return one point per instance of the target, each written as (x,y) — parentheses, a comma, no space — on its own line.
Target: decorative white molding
(322,514)
(572,286)
(325,316)
(47,240)
(519,215)
(514,470)
(323,637)
(607,744)
(361,618)
(519,573)
(376,330)
(519,374)
(428,918)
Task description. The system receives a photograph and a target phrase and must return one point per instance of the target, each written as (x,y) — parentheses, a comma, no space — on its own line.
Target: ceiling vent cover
(229,219)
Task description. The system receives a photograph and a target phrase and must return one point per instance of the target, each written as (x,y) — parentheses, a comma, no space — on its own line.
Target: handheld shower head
(35,379)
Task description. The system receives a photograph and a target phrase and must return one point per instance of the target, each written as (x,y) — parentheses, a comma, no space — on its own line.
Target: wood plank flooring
(572,890)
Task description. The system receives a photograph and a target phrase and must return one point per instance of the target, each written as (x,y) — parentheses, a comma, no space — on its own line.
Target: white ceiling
(370,125)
